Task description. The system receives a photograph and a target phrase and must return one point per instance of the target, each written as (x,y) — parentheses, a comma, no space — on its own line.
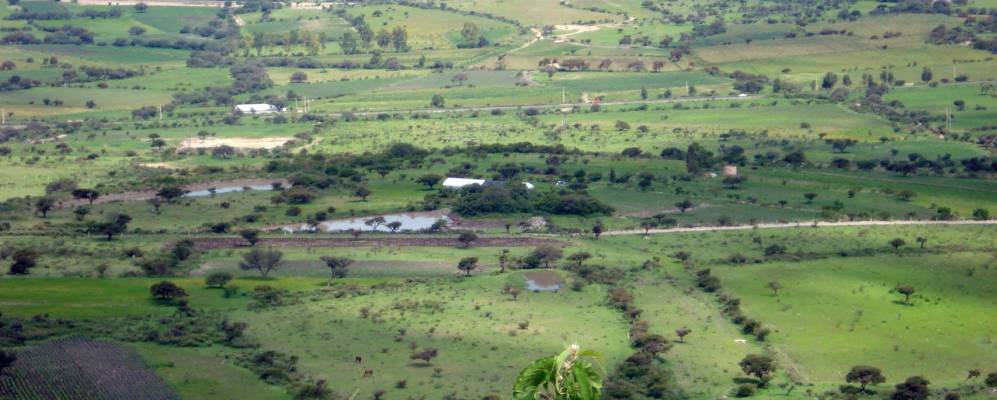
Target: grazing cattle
(368,373)
(358,359)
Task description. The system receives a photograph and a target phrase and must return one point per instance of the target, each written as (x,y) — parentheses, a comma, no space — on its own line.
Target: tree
(697,158)
(166,291)
(7,359)
(136,30)
(682,333)
(597,229)
(907,291)
(262,260)
(298,77)
(579,258)
(171,193)
(43,205)
(81,212)
(218,279)
(375,222)
(470,33)
(251,235)
(348,43)
(926,74)
(865,375)
(89,194)
(810,196)
(503,258)
(775,286)
(468,264)
(566,376)
(981,214)
(394,226)
(914,388)
(459,78)
(22,260)
(399,38)
(547,254)
(991,380)
(426,355)
(429,180)
(338,266)
(437,101)
(758,365)
(114,225)
(362,192)
(141,7)
(684,205)
(466,238)
(897,243)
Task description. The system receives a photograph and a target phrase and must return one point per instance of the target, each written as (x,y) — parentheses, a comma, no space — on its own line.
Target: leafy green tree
(567,376)
(914,388)
(758,365)
(166,290)
(43,205)
(348,43)
(865,375)
(338,266)
(251,235)
(218,279)
(22,260)
(429,180)
(897,243)
(362,192)
(907,291)
(437,101)
(466,238)
(468,264)
(684,205)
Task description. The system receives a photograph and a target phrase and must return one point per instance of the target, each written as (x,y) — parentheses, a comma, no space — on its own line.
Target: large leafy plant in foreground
(566,376)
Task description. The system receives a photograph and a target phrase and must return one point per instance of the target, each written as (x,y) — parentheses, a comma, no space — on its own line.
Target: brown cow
(368,373)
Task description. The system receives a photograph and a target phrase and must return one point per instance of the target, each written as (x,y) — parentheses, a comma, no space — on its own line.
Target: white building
(256,108)
(457,183)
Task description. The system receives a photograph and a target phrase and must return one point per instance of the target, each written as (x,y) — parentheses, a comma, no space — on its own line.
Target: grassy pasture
(533,12)
(475,325)
(848,305)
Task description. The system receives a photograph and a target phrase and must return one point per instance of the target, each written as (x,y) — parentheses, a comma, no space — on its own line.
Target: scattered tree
(251,235)
(166,291)
(865,375)
(907,291)
(468,264)
(218,279)
(466,238)
(426,355)
(262,260)
(682,333)
(775,286)
(914,388)
(758,365)
(338,266)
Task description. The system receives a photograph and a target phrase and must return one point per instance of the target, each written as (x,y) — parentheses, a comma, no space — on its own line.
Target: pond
(543,281)
(408,221)
(227,189)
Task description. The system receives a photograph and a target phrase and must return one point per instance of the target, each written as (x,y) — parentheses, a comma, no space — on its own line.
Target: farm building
(256,108)
(457,183)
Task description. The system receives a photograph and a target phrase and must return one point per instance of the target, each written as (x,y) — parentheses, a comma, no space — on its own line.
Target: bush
(218,279)
(744,390)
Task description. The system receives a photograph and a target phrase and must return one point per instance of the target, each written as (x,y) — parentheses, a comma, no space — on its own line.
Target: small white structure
(457,183)
(256,108)
(730,170)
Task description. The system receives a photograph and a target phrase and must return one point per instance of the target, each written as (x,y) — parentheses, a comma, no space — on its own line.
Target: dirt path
(209,243)
(536,37)
(801,224)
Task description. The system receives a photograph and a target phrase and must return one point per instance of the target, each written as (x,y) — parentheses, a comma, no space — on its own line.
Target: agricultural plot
(78,368)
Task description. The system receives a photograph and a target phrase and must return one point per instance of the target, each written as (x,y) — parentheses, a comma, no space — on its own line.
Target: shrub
(218,279)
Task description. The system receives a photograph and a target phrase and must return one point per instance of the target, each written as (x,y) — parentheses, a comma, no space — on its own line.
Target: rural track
(11,124)
(801,224)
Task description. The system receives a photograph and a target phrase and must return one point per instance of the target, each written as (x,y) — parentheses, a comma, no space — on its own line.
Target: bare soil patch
(544,278)
(153,3)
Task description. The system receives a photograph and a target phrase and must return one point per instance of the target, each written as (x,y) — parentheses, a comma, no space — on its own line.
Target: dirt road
(801,224)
